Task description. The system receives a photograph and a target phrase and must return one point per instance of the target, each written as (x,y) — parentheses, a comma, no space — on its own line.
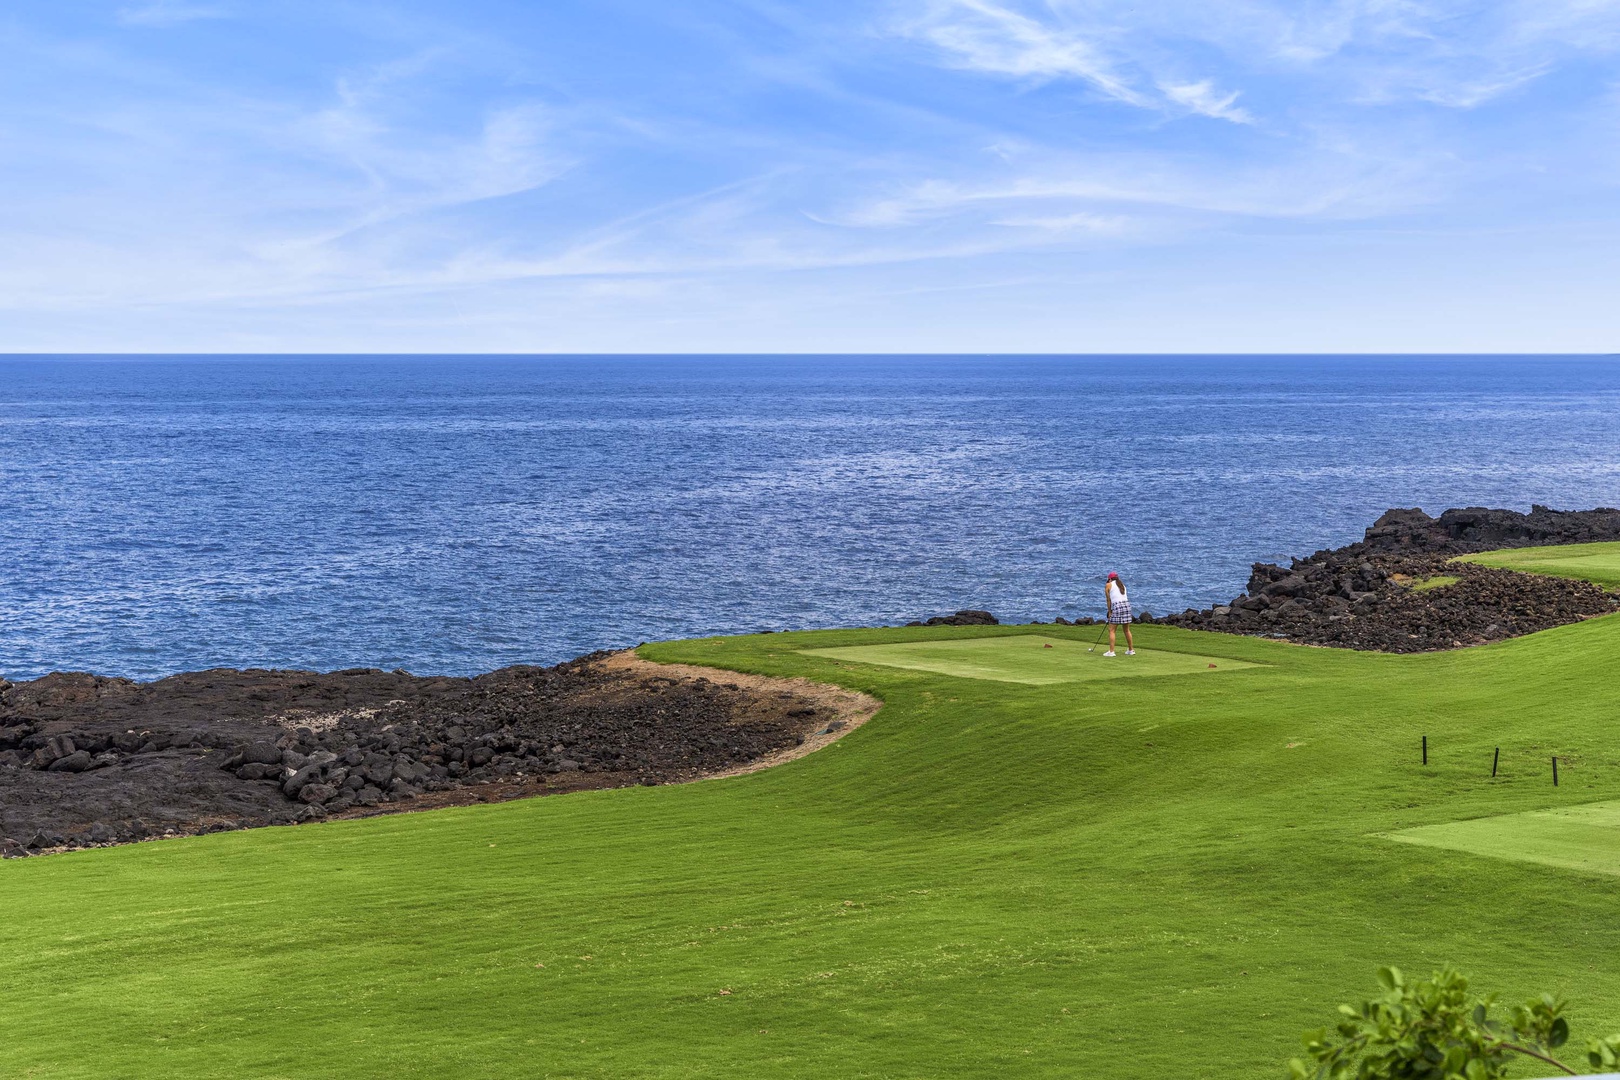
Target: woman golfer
(1119,613)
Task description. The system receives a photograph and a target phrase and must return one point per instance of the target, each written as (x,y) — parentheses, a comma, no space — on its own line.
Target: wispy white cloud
(1069,224)
(169,13)
(1333,178)
(1202,98)
(1469,95)
(223,196)
(383,166)
(959,140)
(1456,54)
(985,37)
(982,36)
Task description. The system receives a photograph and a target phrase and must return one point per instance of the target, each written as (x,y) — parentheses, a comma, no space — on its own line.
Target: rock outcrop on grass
(86,759)
(1372,594)
(965,617)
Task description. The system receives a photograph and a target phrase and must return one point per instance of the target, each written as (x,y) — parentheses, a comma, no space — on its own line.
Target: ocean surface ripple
(455,514)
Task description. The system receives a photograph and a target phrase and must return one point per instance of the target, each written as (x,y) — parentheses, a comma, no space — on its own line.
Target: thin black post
(1425,749)
(1496,757)
(1555,770)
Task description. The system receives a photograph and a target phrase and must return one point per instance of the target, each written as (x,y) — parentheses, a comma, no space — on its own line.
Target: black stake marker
(1425,749)
(1555,770)
(1496,757)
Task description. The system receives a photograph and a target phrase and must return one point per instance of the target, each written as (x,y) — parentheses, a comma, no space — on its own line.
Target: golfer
(1119,613)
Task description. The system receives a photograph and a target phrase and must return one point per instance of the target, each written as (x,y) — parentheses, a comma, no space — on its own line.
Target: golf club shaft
(1100,632)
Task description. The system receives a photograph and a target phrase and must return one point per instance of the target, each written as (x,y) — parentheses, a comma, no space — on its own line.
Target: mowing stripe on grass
(985,880)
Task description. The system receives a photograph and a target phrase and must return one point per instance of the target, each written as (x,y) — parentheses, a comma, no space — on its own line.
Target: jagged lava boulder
(1363,595)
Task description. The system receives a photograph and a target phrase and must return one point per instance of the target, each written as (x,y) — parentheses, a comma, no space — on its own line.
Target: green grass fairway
(1597,563)
(1031,659)
(1585,838)
(1148,878)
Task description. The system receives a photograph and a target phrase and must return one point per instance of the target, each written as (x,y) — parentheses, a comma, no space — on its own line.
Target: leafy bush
(1432,1030)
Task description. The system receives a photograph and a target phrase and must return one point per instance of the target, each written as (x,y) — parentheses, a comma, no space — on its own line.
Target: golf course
(1034,861)
(1597,563)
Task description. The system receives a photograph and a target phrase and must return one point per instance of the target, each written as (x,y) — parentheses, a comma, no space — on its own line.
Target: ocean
(457,514)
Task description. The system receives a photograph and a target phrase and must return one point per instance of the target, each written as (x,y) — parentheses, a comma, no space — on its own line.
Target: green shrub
(1432,1030)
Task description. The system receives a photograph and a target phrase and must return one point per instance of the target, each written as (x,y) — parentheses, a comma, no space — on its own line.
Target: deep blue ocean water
(457,514)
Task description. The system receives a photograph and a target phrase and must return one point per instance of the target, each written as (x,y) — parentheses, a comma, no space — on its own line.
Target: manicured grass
(1437,581)
(1032,659)
(1583,838)
(1597,563)
(1153,877)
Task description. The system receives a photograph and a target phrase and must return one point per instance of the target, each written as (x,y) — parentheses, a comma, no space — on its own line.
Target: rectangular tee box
(1025,658)
(1585,838)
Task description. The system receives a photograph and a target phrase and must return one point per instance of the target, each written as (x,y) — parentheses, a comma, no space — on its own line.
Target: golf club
(1103,630)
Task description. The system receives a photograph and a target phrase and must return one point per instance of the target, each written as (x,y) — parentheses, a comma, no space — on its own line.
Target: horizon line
(620,354)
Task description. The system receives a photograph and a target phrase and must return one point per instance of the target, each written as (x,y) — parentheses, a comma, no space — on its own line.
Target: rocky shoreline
(87,760)
(1390,591)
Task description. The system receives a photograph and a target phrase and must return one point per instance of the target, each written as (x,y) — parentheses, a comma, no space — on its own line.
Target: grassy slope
(1598,563)
(1130,877)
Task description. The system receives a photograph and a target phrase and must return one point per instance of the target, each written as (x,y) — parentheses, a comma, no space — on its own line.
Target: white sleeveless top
(1116,593)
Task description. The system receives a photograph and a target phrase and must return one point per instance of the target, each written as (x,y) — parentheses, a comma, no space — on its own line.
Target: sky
(754,176)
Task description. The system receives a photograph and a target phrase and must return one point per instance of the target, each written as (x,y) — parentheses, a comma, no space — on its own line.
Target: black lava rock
(210,750)
(78,761)
(1362,596)
(966,617)
(261,753)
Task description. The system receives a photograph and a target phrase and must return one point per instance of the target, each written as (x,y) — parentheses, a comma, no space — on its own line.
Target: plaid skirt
(1119,611)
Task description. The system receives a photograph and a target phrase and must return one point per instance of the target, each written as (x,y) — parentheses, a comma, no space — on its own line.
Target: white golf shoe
(1110,652)
(1130,652)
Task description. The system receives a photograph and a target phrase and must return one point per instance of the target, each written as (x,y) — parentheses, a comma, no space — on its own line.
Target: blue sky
(917,175)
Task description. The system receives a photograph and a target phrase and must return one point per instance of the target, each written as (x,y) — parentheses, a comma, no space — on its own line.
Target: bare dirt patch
(849,709)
